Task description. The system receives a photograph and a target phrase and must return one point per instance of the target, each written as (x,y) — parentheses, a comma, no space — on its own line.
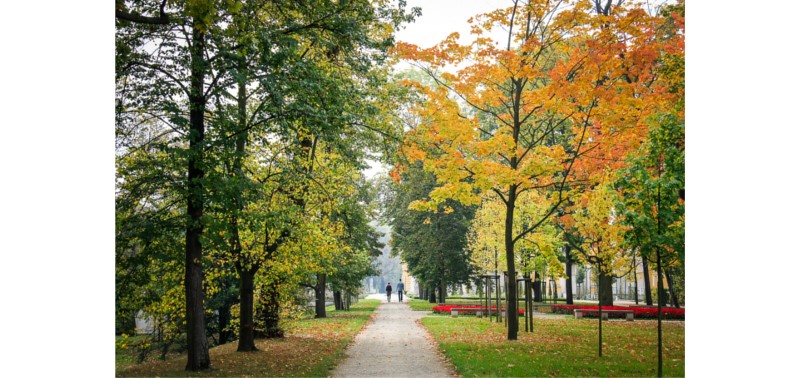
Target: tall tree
(654,181)
(153,69)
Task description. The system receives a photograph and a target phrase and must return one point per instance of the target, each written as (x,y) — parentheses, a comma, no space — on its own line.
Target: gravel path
(393,345)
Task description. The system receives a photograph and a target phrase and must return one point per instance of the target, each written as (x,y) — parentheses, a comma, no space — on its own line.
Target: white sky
(439,19)
(442,17)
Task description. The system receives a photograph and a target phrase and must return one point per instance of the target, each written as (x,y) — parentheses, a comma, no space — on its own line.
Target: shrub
(638,312)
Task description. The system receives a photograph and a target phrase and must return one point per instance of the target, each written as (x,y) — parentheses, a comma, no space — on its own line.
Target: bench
(628,313)
(456,310)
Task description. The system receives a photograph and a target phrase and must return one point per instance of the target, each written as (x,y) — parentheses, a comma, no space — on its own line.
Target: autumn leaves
(537,124)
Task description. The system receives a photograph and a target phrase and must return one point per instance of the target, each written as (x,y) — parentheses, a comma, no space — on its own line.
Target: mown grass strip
(311,347)
(558,347)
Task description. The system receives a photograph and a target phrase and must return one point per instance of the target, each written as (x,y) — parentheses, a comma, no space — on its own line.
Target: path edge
(448,365)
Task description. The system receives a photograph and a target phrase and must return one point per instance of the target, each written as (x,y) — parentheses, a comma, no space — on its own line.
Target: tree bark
(568,264)
(246,319)
(648,296)
(272,309)
(537,288)
(511,295)
(198,358)
(442,291)
(224,322)
(319,293)
(337,300)
(635,281)
(671,287)
(605,293)
(662,291)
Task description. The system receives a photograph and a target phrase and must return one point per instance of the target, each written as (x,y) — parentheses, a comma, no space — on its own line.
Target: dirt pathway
(394,345)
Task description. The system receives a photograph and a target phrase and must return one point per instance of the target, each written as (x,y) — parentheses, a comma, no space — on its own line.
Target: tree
(362,242)
(654,182)
(601,238)
(160,77)
(181,69)
(432,244)
(492,127)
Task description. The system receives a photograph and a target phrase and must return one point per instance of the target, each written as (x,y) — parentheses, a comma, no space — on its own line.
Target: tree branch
(162,19)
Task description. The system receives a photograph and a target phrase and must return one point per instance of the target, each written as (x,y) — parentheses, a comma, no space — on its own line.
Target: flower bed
(445,309)
(638,312)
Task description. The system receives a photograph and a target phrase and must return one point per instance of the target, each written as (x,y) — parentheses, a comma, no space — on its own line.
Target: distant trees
(431,243)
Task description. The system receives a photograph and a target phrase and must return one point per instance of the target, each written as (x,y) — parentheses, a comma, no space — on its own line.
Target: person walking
(389,292)
(400,288)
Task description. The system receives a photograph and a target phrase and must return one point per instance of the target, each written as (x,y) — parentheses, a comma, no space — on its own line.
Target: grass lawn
(421,305)
(311,347)
(558,347)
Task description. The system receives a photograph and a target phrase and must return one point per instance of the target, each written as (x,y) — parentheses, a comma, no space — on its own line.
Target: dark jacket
(389,288)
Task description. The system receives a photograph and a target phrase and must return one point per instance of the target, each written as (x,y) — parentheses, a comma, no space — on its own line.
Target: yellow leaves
(413,153)
(422,205)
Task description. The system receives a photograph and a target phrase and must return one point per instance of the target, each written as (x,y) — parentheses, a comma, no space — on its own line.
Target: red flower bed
(445,309)
(638,312)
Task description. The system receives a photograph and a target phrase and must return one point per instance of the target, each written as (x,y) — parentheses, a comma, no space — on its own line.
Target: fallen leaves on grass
(310,348)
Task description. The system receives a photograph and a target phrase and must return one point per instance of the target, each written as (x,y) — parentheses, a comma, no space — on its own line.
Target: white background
(57,186)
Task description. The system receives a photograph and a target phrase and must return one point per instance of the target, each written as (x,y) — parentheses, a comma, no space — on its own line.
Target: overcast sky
(439,19)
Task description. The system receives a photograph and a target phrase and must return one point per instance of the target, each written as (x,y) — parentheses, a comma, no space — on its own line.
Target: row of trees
(567,135)
(241,130)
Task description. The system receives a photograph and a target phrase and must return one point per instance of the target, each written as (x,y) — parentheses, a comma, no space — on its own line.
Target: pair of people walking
(400,288)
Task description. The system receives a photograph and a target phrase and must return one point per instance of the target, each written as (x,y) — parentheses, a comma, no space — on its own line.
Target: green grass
(421,305)
(558,347)
(310,349)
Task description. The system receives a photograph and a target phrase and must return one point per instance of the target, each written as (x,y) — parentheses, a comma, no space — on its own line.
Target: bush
(638,312)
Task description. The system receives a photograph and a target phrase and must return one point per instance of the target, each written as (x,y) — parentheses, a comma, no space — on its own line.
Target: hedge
(638,312)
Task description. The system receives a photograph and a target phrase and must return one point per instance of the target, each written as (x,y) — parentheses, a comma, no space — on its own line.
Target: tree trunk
(635,281)
(442,292)
(555,292)
(648,296)
(224,322)
(537,288)
(197,342)
(671,287)
(337,300)
(662,291)
(319,292)
(246,320)
(511,294)
(605,292)
(660,305)
(568,256)
(272,309)
(431,295)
